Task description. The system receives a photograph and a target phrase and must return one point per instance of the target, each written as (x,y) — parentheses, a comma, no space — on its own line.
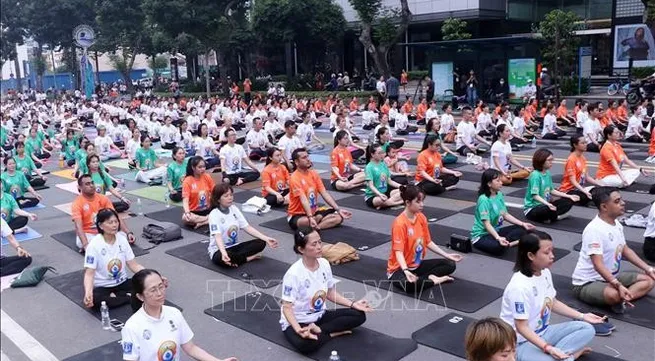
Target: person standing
(247,86)
(381,89)
(472,88)
(429,89)
(393,88)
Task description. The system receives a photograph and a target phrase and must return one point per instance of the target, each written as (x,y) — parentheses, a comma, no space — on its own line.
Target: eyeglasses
(156,290)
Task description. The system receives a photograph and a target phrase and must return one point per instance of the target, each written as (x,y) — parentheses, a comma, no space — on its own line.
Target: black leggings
(409,129)
(584,200)
(489,245)
(120,206)
(13,264)
(339,320)
(35,181)
(246,175)
(257,154)
(649,248)
(168,145)
(17,222)
(542,213)
(634,139)
(400,179)
(357,153)
(271,199)
(555,135)
(177,197)
(433,189)
(122,298)
(239,254)
(591,147)
(26,202)
(438,267)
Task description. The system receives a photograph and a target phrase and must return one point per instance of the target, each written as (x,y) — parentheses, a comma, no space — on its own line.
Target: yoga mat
(131,175)
(456,295)
(328,186)
(441,235)
(642,314)
(43,171)
(360,239)
(68,240)
(630,206)
(635,246)
(118,163)
(23,236)
(569,224)
(71,285)
(263,273)
(639,187)
(155,193)
(32,209)
(243,196)
(67,208)
(357,202)
(69,187)
(40,188)
(174,215)
(447,334)
(259,314)
(319,158)
(109,352)
(65,173)
(460,194)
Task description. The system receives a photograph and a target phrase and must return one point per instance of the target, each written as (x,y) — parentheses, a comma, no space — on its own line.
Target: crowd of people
(209,157)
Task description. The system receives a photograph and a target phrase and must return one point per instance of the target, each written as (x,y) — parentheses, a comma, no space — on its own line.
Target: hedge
(301,94)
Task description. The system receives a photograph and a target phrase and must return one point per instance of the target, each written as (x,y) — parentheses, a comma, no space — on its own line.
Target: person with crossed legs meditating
(196,190)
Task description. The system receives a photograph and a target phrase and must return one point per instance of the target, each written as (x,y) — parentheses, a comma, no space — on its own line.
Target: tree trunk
(223,71)
(40,68)
(206,66)
(19,80)
(155,82)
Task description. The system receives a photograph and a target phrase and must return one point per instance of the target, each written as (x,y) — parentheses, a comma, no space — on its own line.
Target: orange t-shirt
(542,113)
(410,238)
(651,148)
(497,111)
(198,191)
(403,78)
(562,112)
(385,109)
(611,114)
(430,162)
(608,153)
(604,120)
(576,109)
(622,113)
(328,106)
(341,159)
(308,183)
(409,107)
(275,177)
(246,86)
(577,167)
(318,106)
(354,105)
(530,111)
(85,209)
(477,112)
(420,111)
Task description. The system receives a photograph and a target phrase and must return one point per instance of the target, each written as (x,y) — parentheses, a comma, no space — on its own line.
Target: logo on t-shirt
(147,334)
(311,196)
(287,290)
(232,235)
(544,315)
(114,267)
(280,185)
(14,191)
(167,351)
(418,251)
(202,200)
(90,259)
(127,348)
(618,256)
(519,307)
(318,301)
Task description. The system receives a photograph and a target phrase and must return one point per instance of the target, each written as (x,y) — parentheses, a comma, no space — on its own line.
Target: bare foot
(582,352)
(21,230)
(112,294)
(513,244)
(439,280)
(342,333)
(313,328)
(254,257)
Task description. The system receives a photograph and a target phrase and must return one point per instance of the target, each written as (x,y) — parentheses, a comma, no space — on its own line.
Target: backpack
(162,232)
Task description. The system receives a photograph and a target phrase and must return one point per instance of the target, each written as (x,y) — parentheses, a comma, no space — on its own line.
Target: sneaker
(619,309)
(610,325)
(602,329)
(562,216)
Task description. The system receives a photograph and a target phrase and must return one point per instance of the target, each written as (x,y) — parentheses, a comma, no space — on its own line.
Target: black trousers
(400,179)
(634,139)
(584,200)
(591,147)
(122,298)
(649,248)
(558,133)
(542,213)
(247,97)
(35,181)
(168,145)
(26,202)
(13,264)
(357,153)
(120,206)
(177,197)
(257,154)
(409,129)
(433,189)
(489,245)
(339,320)
(272,201)
(17,222)
(438,267)
(239,254)
(247,175)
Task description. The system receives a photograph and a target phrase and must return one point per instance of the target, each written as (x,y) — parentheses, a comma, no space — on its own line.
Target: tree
(454,29)
(649,13)
(12,31)
(391,26)
(560,44)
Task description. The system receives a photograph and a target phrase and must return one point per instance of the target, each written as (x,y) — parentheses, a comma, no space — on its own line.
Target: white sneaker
(650,159)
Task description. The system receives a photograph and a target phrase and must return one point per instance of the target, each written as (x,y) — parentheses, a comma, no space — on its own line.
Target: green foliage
(12,27)
(386,26)
(560,45)
(454,29)
(159,62)
(367,10)
(417,74)
(569,86)
(640,73)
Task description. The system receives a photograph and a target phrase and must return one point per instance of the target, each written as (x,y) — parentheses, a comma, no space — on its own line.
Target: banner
(520,71)
(636,42)
(86,70)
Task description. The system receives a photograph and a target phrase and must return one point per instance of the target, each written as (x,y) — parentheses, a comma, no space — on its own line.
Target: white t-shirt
(447,123)
(233,156)
(204,147)
(108,261)
(103,144)
(401,122)
(599,238)
(307,291)
(256,139)
(226,226)
(484,122)
(465,134)
(519,125)
(273,127)
(432,113)
(184,140)
(288,145)
(581,118)
(168,133)
(131,147)
(650,222)
(550,121)
(634,126)
(5,231)
(503,152)
(529,298)
(193,121)
(591,129)
(145,338)
(305,132)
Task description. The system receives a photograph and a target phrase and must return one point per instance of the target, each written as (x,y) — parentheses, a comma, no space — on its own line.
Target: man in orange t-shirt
(420,112)
(84,210)
(247,86)
(305,185)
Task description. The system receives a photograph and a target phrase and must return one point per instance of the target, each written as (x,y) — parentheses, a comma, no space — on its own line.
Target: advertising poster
(442,75)
(636,42)
(520,71)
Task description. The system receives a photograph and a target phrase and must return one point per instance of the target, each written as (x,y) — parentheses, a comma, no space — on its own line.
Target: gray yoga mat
(68,240)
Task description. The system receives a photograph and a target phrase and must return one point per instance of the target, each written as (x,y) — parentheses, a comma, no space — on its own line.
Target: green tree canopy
(454,29)
(559,42)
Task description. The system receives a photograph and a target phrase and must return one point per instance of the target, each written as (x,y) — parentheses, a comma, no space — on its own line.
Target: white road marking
(23,340)
(3,356)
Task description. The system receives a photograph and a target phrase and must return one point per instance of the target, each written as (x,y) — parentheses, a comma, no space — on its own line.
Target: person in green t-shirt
(70,146)
(36,144)
(488,234)
(103,183)
(379,193)
(175,173)
(81,164)
(148,167)
(15,217)
(16,185)
(539,203)
(26,165)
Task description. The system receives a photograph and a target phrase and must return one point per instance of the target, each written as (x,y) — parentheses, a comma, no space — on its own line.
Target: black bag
(162,232)
(460,243)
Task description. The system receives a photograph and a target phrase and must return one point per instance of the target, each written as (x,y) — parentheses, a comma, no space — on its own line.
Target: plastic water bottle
(534,142)
(334,356)
(139,206)
(122,183)
(61,160)
(104,313)
(167,199)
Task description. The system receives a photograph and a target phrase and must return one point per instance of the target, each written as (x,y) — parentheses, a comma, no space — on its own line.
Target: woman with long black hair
(431,175)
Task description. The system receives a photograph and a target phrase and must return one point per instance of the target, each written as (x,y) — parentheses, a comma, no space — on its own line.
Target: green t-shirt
(101,183)
(81,160)
(32,144)
(538,183)
(71,147)
(146,159)
(15,185)
(385,146)
(3,136)
(488,209)
(25,164)
(380,175)
(7,206)
(175,173)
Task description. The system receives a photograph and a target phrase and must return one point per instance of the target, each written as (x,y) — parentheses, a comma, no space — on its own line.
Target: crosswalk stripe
(32,348)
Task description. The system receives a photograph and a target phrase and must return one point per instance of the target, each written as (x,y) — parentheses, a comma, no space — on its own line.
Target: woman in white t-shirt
(153,128)
(105,145)
(193,120)
(231,156)
(305,320)
(649,235)
(551,130)
(132,146)
(484,126)
(206,148)
(501,158)
(12,264)
(156,331)
(306,134)
(447,130)
(184,139)
(529,300)
(168,134)
(107,256)
(402,126)
(633,133)
(225,221)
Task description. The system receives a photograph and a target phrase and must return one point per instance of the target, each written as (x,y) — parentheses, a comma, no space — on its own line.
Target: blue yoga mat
(38,206)
(24,236)
(319,158)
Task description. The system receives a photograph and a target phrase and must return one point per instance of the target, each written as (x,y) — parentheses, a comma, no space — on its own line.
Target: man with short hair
(467,137)
(597,278)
